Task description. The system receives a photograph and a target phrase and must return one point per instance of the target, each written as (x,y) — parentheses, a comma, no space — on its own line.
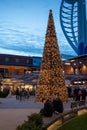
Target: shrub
(36,118)
(4,93)
(34,123)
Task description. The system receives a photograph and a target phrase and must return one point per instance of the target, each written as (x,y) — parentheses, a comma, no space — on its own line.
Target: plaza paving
(13,112)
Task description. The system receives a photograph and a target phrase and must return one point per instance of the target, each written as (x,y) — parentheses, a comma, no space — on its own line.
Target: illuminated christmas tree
(51,80)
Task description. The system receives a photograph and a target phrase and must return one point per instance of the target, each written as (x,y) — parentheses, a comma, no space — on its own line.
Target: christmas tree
(51,80)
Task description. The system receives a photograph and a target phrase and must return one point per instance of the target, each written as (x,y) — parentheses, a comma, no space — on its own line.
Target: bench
(77,104)
(82,103)
(73,105)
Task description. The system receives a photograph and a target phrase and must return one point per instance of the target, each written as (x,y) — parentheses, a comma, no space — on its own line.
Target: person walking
(17,93)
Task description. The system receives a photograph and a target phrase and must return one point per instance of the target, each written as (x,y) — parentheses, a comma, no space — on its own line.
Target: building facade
(18,65)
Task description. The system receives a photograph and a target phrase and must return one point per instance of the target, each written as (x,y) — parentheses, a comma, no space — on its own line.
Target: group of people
(22,94)
(50,107)
(80,94)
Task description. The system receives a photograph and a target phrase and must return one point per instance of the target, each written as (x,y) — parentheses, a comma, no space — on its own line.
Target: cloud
(19,40)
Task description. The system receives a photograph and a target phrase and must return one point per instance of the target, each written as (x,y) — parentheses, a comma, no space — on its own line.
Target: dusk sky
(23,25)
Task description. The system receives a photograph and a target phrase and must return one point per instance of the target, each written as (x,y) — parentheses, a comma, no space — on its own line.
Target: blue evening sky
(23,26)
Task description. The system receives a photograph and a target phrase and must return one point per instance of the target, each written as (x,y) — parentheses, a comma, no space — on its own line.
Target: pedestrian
(84,94)
(28,93)
(17,93)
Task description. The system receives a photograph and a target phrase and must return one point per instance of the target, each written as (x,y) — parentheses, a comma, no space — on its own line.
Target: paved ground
(13,112)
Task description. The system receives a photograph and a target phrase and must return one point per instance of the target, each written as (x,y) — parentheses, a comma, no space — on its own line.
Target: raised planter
(52,123)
